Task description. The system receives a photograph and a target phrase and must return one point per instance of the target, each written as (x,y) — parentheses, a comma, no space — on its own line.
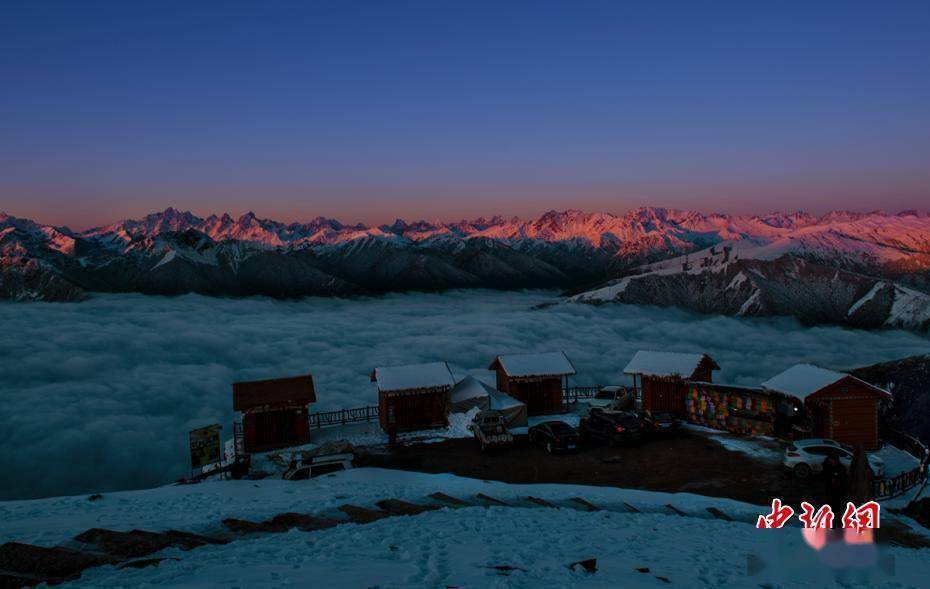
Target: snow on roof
(664,363)
(802,380)
(413,376)
(539,364)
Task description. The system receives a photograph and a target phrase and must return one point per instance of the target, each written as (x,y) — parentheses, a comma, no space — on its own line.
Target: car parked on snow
(611,397)
(554,436)
(490,430)
(805,457)
(301,469)
(661,423)
(611,427)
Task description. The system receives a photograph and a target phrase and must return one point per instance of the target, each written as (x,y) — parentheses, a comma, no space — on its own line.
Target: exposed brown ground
(687,462)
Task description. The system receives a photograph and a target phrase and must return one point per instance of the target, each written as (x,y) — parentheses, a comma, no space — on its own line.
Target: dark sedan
(659,423)
(554,436)
(612,427)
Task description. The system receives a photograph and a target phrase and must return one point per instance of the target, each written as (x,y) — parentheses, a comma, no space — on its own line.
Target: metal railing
(895,486)
(900,484)
(370,413)
(572,394)
(343,416)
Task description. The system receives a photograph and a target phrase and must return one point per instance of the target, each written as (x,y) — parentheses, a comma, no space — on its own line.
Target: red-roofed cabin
(537,380)
(274,411)
(659,378)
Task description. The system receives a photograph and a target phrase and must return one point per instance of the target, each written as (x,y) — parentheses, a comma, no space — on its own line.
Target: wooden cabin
(537,380)
(275,412)
(841,406)
(660,378)
(413,396)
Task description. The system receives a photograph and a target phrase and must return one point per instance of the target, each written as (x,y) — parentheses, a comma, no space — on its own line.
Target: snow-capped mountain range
(174,252)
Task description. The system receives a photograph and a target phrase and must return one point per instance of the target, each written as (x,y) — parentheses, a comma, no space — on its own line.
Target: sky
(367,111)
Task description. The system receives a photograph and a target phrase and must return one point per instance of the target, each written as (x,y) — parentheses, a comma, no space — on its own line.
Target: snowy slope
(783,277)
(460,547)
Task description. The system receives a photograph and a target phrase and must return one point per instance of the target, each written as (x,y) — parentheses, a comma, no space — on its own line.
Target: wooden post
(392,423)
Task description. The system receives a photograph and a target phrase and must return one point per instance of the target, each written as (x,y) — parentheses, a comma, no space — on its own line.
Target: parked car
(490,430)
(308,467)
(612,427)
(805,457)
(554,436)
(661,423)
(611,397)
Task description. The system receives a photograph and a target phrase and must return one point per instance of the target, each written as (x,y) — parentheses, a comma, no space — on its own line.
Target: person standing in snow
(834,476)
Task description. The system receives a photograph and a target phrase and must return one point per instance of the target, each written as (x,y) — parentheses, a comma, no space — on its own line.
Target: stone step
(244,526)
(491,500)
(585,504)
(362,515)
(303,522)
(719,514)
(398,507)
(675,510)
(449,499)
(189,540)
(132,544)
(46,564)
(538,501)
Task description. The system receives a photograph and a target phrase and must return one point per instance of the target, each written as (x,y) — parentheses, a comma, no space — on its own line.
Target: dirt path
(688,462)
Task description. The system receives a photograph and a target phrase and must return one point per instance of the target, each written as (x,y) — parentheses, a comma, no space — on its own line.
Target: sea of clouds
(100,395)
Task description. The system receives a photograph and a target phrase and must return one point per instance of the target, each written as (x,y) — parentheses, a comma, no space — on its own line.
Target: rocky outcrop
(909,382)
(31,280)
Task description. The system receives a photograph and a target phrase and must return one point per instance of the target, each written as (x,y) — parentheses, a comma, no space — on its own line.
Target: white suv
(610,397)
(805,457)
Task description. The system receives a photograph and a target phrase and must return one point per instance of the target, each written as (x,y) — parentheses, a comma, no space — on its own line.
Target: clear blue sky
(370,110)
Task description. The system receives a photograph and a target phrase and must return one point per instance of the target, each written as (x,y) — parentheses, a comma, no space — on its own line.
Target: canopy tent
(471,392)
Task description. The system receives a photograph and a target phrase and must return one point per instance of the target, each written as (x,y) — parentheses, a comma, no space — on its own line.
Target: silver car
(805,457)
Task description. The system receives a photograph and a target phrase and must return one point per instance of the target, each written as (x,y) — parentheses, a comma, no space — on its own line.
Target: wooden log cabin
(841,406)
(275,412)
(537,380)
(660,378)
(413,396)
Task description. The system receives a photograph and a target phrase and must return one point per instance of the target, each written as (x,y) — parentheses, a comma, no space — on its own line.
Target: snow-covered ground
(455,547)
(896,460)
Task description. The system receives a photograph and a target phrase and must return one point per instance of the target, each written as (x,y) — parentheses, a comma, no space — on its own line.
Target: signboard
(229,452)
(205,446)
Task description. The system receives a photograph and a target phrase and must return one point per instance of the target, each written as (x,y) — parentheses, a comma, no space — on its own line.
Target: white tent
(471,392)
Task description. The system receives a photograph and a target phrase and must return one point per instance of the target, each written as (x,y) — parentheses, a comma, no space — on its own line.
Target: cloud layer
(100,395)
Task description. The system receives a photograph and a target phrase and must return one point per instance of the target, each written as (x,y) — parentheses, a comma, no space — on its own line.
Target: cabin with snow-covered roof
(413,396)
(537,380)
(274,411)
(659,378)
(842,407)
